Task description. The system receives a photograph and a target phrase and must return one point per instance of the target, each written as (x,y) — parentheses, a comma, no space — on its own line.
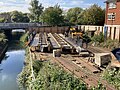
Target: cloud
(22,5)
(11,5)
(12,0)
(1,3)
(4,77)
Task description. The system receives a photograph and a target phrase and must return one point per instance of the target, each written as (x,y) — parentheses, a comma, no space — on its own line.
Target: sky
(23,5)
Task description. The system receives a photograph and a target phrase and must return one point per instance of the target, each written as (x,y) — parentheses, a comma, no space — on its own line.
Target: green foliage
(2,20)
(99,87)
(2,38)
(86,38)
(112,75)
(19,17)
(98,38)
(36,10)
(24,37)
(24,78)
(51,77)
(53,16)
(110,44)
(72,15)
(25,18)
(94,15)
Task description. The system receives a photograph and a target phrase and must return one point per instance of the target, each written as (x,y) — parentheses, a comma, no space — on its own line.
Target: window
(112,5)
(111,16)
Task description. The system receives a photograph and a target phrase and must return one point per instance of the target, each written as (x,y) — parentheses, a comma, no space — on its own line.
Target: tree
(82,19)
(5,17)
(35,11)
(94,15)
(25,17)
(2,20)
(19,17)
(72,15)
(53,16)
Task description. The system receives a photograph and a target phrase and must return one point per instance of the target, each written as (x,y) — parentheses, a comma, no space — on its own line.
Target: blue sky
(22,5)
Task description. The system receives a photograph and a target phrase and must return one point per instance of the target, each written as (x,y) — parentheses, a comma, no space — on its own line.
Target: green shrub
(52,77)
(110,44)
(112,75)
(98,38)
(24,37)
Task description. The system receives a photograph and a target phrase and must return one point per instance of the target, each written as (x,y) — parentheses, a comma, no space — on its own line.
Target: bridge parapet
(17,25)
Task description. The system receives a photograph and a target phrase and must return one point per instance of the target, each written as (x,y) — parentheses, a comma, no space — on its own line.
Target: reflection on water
(10,67)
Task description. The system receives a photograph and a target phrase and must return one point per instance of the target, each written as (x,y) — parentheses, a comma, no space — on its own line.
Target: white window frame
(111,16)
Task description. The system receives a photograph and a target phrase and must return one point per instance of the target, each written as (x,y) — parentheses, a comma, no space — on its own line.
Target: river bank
(3,49)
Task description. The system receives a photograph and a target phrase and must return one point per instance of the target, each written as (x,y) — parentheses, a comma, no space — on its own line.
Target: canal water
(10,67)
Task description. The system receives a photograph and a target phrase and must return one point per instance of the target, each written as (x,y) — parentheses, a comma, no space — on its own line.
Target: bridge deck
(17,25)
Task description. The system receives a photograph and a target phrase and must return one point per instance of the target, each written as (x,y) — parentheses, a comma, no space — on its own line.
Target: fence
(110,31)
(49,29)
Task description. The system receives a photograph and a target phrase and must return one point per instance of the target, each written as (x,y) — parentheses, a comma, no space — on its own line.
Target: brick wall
(117,15)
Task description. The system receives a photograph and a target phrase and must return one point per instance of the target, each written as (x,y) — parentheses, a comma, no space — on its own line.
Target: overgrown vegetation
(24,77)
(24,37)
(110,44)
(50,77)
(3,39)
(112,75)
(2,20)
(98,40)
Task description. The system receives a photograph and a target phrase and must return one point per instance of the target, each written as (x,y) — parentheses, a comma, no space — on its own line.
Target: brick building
(112,19)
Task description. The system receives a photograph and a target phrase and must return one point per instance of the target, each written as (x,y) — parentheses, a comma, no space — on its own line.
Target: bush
(112,75)
(86,38)
(52,77)
(110,44)
(98,38)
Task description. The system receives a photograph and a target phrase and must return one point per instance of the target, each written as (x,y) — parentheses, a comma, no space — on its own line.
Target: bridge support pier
(8,34)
